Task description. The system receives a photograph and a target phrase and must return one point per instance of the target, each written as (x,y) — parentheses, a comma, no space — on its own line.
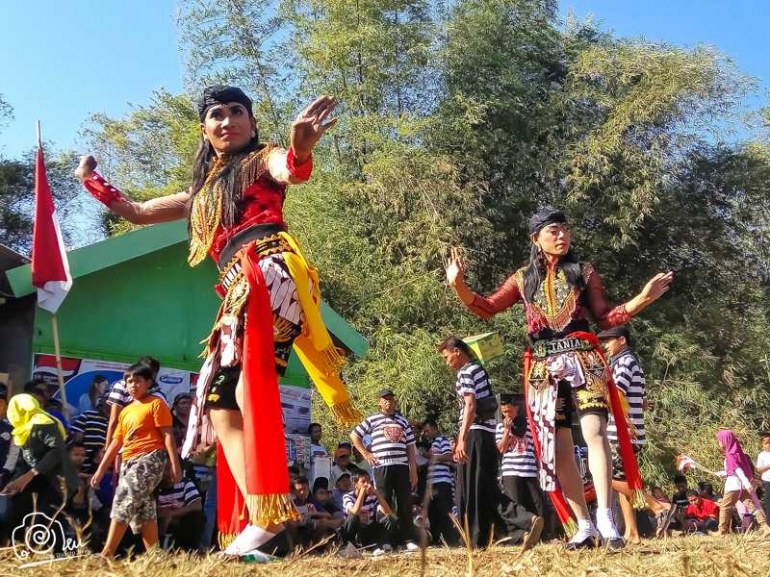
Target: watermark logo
(41,537)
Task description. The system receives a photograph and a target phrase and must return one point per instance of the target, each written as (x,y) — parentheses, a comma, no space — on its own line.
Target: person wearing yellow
(50,476)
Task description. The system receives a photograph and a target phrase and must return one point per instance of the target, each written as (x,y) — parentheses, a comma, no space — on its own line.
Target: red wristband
(297,169)
(98,187)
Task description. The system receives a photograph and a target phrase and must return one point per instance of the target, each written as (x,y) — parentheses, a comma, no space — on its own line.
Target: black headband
(544,217)
(220,94)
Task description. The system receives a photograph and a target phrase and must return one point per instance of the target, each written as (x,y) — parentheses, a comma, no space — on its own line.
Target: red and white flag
(50,269)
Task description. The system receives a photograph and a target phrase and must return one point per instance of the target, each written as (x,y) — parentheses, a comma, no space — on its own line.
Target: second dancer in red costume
(271,303)
(564,367)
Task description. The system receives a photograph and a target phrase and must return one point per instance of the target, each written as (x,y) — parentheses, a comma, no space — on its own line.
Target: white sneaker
(387,548)
(606,525)
(248,540)
(411,547)
(378,552)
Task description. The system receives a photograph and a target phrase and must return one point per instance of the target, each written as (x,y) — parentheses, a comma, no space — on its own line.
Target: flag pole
(55,328)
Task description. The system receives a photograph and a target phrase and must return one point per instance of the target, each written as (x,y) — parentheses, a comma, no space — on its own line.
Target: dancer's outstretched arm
(163,209)
(607,315)
(506,295)
(294,166)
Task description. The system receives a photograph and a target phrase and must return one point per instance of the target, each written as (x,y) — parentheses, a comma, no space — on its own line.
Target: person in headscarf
(51,475)
(234,210)
(564,368)
(738,472)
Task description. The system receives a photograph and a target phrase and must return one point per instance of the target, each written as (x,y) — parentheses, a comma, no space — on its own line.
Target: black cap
(386,393)
(507,399)
(545,216)
(320,483)
(615,333)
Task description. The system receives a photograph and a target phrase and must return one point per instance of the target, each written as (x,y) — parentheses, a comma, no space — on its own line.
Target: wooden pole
(59,373)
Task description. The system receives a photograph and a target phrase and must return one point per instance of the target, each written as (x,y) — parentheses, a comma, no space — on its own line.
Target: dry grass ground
(705,556)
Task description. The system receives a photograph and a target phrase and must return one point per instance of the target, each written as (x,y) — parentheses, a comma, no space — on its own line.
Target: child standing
(144,430)
(737,473)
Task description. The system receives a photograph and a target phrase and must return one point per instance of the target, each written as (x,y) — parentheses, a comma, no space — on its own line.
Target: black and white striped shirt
(180,495)
(629,378)
(390,437)
(472,379)
(368,510)
(93,426)
(440,472)
(519,460)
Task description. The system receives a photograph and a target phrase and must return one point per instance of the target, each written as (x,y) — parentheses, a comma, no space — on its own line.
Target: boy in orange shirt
(145,432)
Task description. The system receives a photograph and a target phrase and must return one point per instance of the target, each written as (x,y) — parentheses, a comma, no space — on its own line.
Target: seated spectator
(679,502)
(90,429)
(342,486)
(86,507)
(315,523)
(658,493)
(96,390)
(706,490)
(368,517)
(342,463)
(9,452)
(701,514)
(51,475)
(323,497)
(180,513)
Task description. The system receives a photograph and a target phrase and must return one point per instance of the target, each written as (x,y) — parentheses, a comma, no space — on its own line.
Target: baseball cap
(386,393)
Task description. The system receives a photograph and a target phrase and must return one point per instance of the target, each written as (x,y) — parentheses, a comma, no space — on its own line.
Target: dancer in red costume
(565,367)
(271,303)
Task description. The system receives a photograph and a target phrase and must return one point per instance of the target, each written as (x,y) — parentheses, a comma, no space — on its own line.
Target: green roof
(119,249)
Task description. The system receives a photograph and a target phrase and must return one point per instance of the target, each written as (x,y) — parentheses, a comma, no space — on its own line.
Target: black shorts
(580,400)
(618,472)
(221,393)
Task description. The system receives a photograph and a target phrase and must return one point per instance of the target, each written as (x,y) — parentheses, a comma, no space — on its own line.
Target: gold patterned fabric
(207,204)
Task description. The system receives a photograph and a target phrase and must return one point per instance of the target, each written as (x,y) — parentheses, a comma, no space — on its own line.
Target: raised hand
(657,286)
(86,167)
(455,269)
(308,128)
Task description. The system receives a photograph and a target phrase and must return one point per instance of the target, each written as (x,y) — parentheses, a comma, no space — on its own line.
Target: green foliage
(17,196)
(458,120)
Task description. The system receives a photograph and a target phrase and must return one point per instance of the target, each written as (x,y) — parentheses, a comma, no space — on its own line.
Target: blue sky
(62,60)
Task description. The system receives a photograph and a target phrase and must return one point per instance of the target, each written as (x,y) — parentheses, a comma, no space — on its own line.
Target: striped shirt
(519,460)
(93,426)
(472,379)
(180,495)
(119,394)
(629,378)
(390,437)
(440,472)
(368,508)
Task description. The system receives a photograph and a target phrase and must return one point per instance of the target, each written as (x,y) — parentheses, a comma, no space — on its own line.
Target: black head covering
(615,333)
(545,216)
(221,94)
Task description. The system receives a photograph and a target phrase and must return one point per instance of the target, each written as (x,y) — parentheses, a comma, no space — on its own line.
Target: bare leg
(654,505)
(114,537)
(228,425)
(568,474)
(150,535)
(594,430)
(629,516)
